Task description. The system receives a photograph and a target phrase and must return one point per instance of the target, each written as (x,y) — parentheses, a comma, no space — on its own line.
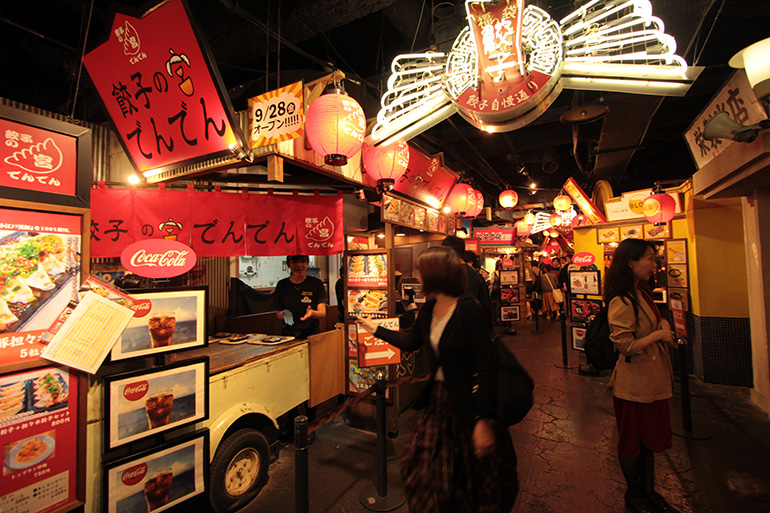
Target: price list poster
(38,437)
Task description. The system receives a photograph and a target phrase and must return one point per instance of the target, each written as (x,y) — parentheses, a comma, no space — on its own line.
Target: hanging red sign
(583,259)
(472,245)
(158,258)
(161,92)
(37,160)
(495,235)
(677,311)
(426,179)
(586,205)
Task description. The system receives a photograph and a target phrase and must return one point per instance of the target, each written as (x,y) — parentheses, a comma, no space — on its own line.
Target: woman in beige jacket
(642,379)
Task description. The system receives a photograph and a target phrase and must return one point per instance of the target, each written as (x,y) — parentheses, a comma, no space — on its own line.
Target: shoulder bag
(514,387)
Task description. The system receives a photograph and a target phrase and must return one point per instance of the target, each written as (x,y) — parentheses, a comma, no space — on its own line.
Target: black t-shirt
(296,297)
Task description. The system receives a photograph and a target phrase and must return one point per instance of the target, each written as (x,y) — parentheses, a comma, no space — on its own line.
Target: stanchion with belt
(684,386)
(301,474)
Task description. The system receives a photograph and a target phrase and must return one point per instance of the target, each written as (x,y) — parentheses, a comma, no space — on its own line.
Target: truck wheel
(238,470)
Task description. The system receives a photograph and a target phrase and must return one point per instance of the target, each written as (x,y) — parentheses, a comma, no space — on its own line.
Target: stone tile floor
(565,446)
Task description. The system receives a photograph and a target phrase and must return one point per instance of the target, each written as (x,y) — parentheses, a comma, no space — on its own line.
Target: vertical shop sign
(677,311)
(586,205)
(277,116)
(160,90)
(40,276)
(38,434)
(374,351)
(426,179)
(37,160)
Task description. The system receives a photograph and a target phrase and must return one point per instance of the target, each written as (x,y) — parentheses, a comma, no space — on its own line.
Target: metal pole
(301,481)
(537,320)
(684,382)
(563,341)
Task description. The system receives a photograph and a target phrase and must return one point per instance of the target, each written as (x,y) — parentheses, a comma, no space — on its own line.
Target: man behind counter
(300,300)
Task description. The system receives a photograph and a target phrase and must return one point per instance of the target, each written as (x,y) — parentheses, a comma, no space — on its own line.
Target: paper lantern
(335,126)
(508,199)
(461,199)
(555,219)
(530,218)
(479,204)
(522,228)
(562,202)
(386,164)
(659,208)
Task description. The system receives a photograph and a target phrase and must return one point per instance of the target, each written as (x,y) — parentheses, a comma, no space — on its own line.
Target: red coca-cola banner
(583,259)
(217,223)
(160,90)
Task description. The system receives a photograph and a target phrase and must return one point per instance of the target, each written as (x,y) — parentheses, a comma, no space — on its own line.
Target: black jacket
(467,356)
(477,289)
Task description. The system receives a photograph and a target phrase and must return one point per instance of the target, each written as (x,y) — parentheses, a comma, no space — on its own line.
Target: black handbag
(514,387)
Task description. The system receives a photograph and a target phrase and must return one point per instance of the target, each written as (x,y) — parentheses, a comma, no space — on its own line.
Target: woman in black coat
(459,459)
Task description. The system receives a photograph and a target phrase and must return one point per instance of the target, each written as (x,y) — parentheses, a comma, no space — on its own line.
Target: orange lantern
(508,198)
(522,228)
(555,219)
(659,208)
(562,202)
(461,199)
(386,163)
(530,218)
(335,126)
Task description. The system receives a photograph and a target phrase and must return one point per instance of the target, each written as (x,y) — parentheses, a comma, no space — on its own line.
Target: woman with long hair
(459,459)
(643,377)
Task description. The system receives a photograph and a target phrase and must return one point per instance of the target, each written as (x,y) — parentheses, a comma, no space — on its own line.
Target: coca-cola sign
(584,259)
(134,475)
(141,307)
(158,258)
(135,391)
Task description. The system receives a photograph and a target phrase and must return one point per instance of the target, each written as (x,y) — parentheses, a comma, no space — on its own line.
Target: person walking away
(494,293)
(642,380)
(459,458)
(547,283)
(303,297)
(476,288)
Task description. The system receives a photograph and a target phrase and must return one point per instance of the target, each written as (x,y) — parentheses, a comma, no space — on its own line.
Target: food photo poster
(145,403)
(43,251)
(158,479)
(38,435)
(164,320)
(585,282)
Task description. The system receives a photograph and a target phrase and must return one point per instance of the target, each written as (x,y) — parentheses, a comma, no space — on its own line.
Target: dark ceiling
(638,142)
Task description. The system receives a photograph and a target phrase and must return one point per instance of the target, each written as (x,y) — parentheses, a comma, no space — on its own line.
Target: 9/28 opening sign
(277,116)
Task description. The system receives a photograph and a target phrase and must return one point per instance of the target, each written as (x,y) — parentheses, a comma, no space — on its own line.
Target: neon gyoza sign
(511,62)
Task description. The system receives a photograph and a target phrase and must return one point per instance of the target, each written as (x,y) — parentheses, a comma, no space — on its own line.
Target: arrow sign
(373,351)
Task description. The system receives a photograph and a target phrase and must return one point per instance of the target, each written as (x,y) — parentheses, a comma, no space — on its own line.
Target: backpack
(514,387)
(600,350)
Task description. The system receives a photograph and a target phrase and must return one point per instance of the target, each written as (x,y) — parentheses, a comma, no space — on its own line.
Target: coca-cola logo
(135,391)
(584,259)
(158,258)
(134,475)
(141,307)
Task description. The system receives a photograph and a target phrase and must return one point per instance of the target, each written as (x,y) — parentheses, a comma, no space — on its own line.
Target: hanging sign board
(161,91)
(495,235)
(374,351)
(581,199)
(629,206)
(472,245)
(426,179)
(276,116)
(737,98)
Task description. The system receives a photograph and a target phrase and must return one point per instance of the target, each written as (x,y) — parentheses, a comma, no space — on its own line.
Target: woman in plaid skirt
(459,459)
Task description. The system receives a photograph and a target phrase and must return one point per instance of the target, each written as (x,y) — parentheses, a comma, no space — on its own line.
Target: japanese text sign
(40,441)
(37,160)
(677,311)
(276,116)
(495,235)
(426,179)
(374,351)
(737,98)
(217,223)
(581,199)
(160,91)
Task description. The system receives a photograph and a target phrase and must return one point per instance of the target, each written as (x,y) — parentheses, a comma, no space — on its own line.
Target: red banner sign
(37,160)
(158,258)
(680,324)
(586,205)
(472,245)
(495,235)
(160,90)
(217,223)
(426,179)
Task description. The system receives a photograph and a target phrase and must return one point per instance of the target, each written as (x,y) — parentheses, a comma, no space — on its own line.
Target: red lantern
(386,163)
(522,228)
(659,208)
(335,126)
(562,202)
(461,199)
(479,203)
(508,199)
(530,218)
(555,220)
